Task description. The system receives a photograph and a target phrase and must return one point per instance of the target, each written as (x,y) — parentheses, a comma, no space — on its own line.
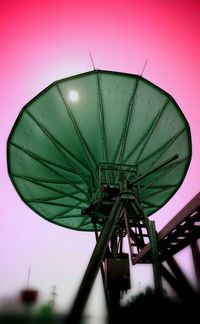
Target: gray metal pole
(180,276)
(94,263)
(155,257)
(196,259)
(102,271)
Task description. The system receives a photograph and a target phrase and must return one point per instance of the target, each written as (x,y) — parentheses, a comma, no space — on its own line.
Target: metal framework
(121,215)
(182,231)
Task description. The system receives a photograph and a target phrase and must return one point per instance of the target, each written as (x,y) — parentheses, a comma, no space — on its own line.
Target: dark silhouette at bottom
(150,307)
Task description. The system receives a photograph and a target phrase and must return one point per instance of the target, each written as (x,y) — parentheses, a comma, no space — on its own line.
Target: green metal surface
(64,133)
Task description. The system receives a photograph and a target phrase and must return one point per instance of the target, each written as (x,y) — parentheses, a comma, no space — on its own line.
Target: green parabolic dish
(61,136)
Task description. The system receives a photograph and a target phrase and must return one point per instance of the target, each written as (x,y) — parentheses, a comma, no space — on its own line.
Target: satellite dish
(71,144)
(101,151)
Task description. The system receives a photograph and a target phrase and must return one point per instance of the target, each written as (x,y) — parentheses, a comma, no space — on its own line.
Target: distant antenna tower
(53,295)
(28,280)
(28,295)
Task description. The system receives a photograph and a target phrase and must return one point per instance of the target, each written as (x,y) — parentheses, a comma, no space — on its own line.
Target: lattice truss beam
(182,231)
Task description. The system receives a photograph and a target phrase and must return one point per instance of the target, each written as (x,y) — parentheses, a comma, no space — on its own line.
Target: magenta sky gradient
(42,41)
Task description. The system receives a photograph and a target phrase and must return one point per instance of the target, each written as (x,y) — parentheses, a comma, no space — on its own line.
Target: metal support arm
(95,263)
(155,257)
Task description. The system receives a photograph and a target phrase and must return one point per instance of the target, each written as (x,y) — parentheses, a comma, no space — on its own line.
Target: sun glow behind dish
(73,96)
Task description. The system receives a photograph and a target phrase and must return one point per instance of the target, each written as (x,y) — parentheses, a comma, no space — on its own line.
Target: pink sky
(42,41)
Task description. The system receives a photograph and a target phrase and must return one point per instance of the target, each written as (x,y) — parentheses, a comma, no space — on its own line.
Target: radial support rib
(102,121)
